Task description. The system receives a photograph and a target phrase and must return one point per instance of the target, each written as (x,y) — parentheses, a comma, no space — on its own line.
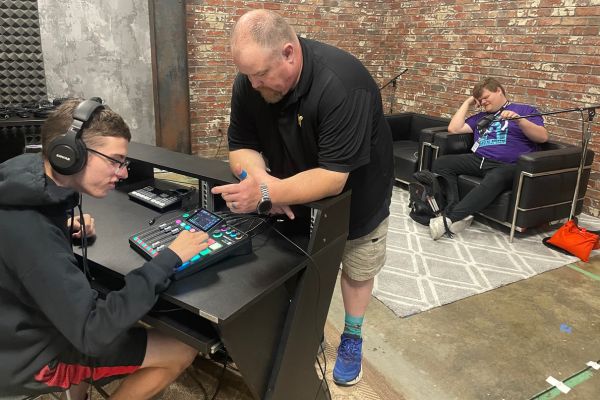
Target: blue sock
(353,325)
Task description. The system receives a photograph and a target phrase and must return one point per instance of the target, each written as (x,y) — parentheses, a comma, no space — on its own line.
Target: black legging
(497,177)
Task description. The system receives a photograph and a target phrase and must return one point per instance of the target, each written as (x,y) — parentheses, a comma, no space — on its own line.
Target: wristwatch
(264,204)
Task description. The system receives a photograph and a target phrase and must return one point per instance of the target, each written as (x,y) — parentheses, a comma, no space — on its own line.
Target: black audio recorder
(223,239)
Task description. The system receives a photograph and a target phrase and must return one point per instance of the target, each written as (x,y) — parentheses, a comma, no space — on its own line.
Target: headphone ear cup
(68,154)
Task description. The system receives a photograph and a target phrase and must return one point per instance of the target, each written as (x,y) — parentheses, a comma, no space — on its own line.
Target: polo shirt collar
(306,75)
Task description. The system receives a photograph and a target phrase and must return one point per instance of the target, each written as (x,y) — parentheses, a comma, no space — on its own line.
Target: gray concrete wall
(101,48)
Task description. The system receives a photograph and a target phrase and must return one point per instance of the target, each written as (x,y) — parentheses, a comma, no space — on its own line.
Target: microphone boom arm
(393,80)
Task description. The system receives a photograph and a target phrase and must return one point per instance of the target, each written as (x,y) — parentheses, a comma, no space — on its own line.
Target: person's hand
(280,210)
(243,197)
(506,114)
(188,244)
(90,227)
(472,101)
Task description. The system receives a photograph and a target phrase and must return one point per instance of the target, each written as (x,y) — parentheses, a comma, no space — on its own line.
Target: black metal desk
(267,308)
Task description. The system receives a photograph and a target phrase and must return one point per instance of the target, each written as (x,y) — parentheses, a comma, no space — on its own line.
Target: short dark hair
(104,122)
(490,84)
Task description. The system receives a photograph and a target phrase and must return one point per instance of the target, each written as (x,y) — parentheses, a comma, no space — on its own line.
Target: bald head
(266,49)
(264,28)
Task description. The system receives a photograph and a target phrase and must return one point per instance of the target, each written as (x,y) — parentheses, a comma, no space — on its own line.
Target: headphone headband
(82,114)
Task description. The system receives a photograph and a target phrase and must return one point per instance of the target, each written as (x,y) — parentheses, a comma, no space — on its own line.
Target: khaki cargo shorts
(364,257)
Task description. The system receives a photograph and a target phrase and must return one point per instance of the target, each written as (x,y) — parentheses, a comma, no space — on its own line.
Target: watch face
(264,206)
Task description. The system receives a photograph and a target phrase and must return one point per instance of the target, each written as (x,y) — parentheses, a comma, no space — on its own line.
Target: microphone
(484,122)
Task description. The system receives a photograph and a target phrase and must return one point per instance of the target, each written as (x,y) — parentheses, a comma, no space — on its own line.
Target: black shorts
(124,357)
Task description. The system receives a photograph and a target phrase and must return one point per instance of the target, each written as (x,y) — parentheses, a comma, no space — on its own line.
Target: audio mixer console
(224,240)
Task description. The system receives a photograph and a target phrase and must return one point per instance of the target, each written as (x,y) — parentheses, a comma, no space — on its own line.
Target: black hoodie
(46,302)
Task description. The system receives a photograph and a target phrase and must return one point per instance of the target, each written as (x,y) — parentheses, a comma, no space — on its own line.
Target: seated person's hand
(90,227)
(472,101)
(188,244)
(508,114)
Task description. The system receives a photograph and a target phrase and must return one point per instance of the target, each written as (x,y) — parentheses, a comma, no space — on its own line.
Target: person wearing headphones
(498,143)
(56,333)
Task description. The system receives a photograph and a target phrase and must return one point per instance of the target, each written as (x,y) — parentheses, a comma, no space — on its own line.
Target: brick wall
(546,52)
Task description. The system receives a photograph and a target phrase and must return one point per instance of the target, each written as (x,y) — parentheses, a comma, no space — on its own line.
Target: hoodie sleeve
(49,272)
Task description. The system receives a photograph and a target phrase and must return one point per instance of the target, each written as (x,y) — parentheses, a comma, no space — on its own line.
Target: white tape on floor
(593,364)
(558,384)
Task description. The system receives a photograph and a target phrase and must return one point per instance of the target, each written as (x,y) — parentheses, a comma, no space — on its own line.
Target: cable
(168,310)
(323,375)
(318,335)
(199,382)
(221,377)
(86,271)
(84,238)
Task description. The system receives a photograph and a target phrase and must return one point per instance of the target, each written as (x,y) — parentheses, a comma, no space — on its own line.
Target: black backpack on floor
(426,197)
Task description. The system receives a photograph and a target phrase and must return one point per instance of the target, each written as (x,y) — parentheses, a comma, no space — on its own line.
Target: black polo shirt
(333,119)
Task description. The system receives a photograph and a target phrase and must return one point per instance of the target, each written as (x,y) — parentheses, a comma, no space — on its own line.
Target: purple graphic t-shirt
(504,140)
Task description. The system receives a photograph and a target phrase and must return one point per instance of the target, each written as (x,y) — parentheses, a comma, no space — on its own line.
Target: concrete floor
(501,344)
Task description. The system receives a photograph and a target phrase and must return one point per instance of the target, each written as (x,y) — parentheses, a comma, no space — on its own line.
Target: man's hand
(535,133)
(243,197)
(506,114)
(471,101)
(188,244)
(90,227)
(280,210)
(240,197)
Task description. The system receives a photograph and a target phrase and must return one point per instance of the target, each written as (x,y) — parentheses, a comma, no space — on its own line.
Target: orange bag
(575,240)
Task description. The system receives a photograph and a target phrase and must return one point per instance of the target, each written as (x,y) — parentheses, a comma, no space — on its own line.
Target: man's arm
(313,184)
(304,187)
(457,123)
(535,133)
(249,160)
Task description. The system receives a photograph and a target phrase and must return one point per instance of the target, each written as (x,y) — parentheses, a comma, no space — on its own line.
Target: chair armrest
(453,143)
(552,160)
(554,183)
(427,134)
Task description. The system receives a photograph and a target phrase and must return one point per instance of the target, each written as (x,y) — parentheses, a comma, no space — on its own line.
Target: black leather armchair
(412,135)
(543,186)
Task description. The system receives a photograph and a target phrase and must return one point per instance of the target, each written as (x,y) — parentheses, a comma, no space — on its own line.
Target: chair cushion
(405,159)
(500,207)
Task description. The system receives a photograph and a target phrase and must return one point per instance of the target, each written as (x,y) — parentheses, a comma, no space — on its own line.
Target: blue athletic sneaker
(348,370)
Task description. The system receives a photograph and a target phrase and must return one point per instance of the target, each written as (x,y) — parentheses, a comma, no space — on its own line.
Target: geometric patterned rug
(420,274)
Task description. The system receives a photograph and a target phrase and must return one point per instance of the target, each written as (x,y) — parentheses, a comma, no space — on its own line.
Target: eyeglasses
(119,164)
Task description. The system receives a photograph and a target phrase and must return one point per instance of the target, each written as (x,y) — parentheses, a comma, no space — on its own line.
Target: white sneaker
(461,225)
(437,228)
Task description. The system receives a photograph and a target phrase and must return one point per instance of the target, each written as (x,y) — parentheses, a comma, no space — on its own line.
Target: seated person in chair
(55,331)
(498,143)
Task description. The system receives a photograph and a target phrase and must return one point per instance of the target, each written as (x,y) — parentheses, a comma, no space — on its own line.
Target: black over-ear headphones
(68,153)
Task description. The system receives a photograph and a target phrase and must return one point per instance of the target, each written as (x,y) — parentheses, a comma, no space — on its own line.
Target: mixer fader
(224,240)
